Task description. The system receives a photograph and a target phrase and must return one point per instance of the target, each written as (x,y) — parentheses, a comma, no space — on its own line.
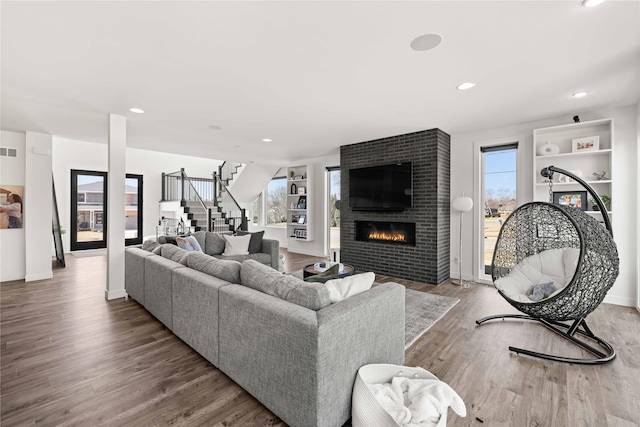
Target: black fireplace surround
(400,233)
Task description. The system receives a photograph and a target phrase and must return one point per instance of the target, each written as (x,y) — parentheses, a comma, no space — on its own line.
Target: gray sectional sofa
(279,338)
(265,251)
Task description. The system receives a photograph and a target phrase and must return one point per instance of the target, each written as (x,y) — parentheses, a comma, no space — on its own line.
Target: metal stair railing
(228,205)
(227,170)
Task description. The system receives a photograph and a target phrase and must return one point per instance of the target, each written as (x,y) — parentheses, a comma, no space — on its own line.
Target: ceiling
(311,76)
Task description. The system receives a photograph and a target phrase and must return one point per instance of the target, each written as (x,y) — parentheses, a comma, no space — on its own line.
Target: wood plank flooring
(71,358)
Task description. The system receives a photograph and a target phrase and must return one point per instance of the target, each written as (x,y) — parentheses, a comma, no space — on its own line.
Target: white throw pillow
(236,245)
(340,289)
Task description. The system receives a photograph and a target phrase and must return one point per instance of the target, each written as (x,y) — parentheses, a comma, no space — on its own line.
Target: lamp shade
(462,204)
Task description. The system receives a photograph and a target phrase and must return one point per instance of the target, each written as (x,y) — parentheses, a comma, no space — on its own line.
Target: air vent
(8,152)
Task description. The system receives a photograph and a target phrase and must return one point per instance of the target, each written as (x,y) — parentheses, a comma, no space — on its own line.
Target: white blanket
(418,402)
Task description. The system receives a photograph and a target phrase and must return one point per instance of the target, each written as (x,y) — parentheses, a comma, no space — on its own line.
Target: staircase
(205,203)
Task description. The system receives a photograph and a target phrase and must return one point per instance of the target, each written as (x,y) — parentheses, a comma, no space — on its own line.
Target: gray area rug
(421,311)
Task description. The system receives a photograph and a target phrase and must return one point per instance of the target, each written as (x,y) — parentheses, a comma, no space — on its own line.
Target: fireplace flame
(396,237)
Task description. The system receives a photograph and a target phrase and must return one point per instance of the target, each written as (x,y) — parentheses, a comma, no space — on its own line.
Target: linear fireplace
(403,233)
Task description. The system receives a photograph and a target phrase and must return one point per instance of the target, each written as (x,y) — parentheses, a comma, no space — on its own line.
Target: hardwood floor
(69,357)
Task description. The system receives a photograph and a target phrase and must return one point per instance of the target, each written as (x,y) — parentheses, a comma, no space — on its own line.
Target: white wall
(12,243)
(69,154)
(625,218)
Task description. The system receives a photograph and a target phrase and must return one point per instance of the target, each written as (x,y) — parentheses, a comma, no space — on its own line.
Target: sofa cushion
(213,243)
(174,253)
(223,269)
(150,245)
(255,244)
(265,279)
(262,258)
(236,245)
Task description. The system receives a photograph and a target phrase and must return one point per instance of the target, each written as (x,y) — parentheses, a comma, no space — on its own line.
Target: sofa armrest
(300,363)
(134,272)
(362,329)
(272,247)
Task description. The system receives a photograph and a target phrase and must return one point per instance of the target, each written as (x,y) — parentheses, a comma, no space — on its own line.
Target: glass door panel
(133,209)
(88,204)
(499,196)
(334,209)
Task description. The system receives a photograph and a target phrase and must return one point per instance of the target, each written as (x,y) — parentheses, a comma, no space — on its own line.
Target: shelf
(585,163)
(295,231)
(555,183)
(574,155)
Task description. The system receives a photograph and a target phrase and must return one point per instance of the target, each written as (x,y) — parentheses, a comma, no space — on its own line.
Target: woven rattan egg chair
(536,227)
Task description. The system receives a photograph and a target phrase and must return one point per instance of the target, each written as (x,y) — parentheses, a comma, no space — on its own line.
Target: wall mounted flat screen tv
(378,188)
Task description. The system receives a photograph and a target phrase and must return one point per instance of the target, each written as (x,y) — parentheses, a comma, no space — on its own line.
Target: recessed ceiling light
(580,94)
(426,42)
(215,127)
(267,139)
(465,86)
(136,110)
(591,3)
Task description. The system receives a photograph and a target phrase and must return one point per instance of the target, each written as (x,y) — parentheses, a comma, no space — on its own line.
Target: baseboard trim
(38,276)
(616,300)
(115,294)
(12,277)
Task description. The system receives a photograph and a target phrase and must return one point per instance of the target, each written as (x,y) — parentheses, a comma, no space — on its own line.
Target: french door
(89,207)
(498,195)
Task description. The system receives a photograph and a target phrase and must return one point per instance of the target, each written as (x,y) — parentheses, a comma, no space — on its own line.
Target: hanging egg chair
(555,263)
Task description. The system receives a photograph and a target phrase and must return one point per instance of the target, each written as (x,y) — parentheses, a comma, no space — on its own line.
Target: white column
(115,207)
(37,208)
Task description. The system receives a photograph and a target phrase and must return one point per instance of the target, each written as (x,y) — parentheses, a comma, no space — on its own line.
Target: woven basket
(365,409)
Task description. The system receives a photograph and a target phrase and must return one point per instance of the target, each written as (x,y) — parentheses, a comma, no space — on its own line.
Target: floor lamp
(462,205)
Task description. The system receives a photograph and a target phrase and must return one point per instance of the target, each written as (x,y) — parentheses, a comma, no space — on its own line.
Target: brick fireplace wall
(428,260)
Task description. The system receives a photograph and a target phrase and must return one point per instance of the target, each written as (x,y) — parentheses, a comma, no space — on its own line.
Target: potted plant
(605,199)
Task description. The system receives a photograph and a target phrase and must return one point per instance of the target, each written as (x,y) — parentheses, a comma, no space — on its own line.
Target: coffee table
(347,270)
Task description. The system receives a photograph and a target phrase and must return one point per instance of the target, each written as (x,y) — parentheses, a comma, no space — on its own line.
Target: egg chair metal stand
(538,226)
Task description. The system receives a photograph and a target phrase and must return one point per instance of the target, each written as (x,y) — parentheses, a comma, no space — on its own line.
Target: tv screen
(386,187)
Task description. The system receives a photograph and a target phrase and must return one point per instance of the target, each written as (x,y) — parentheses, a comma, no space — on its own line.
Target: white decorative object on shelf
(589,143)
(548,148)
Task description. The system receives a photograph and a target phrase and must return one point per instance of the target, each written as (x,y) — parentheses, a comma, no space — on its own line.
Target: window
(276,206)
(333,174)
(133,209)
(499,194)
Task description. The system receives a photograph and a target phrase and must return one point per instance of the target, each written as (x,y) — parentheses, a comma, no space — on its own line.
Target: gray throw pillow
(174,253)
(213,243)
(167,239)
(255,244)
(223,269)
(260,277)
(329,274)
(150,245)
(200,237)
